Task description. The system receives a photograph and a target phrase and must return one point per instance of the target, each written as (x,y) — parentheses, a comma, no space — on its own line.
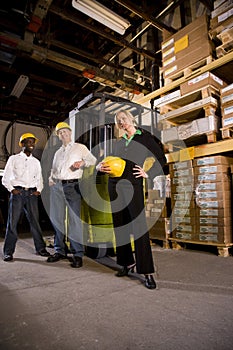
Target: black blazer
(139,148)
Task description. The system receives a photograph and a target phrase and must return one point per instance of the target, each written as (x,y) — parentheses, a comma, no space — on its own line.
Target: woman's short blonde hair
(127,114)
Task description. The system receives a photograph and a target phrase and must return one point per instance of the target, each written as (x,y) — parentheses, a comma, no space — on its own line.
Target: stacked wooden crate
(193,115)
(227,111)
(186,50)
(192,112)
(221,26)
(201,202)
(183,220)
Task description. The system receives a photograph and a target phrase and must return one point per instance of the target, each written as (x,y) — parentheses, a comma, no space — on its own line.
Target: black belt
(69,181)
(25,188)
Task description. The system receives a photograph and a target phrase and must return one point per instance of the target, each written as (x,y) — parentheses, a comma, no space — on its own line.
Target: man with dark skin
(22,177)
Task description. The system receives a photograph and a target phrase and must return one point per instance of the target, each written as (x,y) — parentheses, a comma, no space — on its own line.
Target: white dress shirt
(65,157)
(21,170)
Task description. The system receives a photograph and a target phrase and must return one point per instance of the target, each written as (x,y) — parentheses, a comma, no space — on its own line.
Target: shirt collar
(137,132)
(68,145)
(24,155)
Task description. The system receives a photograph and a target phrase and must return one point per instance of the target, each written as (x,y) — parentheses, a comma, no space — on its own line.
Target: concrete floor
(52,306)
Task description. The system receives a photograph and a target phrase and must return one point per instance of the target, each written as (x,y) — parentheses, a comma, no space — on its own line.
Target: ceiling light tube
(19,86)
(102,14)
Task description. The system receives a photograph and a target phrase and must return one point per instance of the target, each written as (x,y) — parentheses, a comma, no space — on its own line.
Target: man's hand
(15,191)
(77,165)
(36,193)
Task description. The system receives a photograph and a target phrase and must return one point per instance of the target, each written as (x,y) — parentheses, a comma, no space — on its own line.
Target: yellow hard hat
(116,164)
(62,125)
(26,136)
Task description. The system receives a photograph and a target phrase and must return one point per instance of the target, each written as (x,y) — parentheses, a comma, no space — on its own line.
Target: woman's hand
(139,172)
(103,168)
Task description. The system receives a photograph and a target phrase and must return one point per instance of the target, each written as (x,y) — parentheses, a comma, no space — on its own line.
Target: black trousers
(128,212)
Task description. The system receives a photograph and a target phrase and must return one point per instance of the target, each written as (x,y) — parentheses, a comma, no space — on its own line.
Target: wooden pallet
(227,132)
(187,71)
(224,49)
(226,35)
(224,250)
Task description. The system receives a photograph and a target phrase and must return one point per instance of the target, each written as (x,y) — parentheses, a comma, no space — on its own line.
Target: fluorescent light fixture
(102,14)
(19,86)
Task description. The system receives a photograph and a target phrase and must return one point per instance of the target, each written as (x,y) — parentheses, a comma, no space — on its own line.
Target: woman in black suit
(127,196)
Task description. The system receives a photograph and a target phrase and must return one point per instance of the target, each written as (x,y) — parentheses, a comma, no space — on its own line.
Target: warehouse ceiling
(59,55)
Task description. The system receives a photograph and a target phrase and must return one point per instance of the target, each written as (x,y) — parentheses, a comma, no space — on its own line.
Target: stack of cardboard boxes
(221,26)
(201,200)
(213,199)
(227,111)
(188,46)
(183,220)
(203,92)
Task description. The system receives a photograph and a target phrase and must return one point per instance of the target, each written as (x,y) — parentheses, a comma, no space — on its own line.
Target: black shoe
(150,282)
(76,262)
(56,257)
(8,257)
(44,252)
(125,271)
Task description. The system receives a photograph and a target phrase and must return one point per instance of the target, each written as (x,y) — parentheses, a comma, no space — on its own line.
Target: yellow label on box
(181,44)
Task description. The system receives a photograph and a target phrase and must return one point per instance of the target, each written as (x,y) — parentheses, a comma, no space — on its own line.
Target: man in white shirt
(23,179)
(65,204)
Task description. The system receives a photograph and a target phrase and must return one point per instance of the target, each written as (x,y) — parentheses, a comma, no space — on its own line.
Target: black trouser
(128,212)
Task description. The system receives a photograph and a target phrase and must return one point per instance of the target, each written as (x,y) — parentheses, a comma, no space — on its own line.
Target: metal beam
(147,17)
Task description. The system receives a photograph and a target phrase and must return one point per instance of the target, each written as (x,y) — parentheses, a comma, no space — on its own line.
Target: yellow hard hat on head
(116,164)
(26,136)
(62,125)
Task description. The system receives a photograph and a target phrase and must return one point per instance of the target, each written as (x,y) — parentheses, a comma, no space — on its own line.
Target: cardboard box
(227,100)
(227,110)
(182,165)
(182,181)
(225,6)
(183,220)
(214,221)
(218,3)
(187,236)
(170,39)
(214,22)
(189,204)
(218,168)
(223,238)
(227,121)
(183,196)
(182,172)
(183,211)
(214,212)
(213,186)
(213,195)
(152,195)
(217,28)
(190,56)
(211,177)
(213,204)
(212,160)
(201,81)
(227,90)
(183,188)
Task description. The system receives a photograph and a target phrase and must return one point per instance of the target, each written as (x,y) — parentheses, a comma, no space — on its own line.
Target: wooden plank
(189,108)
(204,150)
(211,66)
